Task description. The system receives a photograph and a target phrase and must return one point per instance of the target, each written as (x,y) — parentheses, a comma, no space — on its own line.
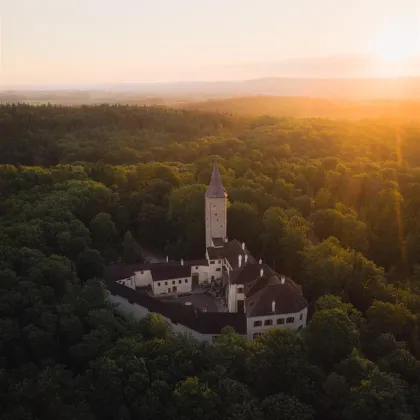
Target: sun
(396,46)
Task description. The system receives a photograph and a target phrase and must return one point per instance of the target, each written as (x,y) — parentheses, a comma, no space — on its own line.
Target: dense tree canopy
(333,204)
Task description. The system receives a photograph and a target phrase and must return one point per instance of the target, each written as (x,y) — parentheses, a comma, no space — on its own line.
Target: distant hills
(185,92)
(310,107)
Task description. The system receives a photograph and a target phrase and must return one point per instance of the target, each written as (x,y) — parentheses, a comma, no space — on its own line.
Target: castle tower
(216,210)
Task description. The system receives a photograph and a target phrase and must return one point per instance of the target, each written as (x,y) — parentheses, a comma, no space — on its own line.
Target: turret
(216,210)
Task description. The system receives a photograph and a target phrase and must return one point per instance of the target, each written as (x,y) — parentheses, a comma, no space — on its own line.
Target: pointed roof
(215,188)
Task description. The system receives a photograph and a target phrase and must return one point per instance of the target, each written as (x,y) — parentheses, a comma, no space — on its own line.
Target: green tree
(131,249)
(244,224)
(381,396)
(89,264)
(285,407)
(103,231)
(331,337)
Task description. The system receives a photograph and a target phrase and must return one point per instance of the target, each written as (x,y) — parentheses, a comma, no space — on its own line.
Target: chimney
(260,261)
(261,272)
(246,258)
(239,260)
(167,259)
(282,279)
(182,261)
(226,240)
(273,306)
(243,245)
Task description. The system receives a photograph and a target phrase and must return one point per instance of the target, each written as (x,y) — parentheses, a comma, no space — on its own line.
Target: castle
(255,297)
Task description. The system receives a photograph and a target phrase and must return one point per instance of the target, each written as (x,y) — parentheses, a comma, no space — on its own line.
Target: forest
(333,204)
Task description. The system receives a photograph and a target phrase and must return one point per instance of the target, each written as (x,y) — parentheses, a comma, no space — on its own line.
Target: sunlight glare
(397,46)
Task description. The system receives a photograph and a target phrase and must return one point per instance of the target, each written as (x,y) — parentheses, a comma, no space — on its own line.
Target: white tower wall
(216,219)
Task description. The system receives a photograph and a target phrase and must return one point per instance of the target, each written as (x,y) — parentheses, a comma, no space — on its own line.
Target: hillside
(281,106)
(336,89)
(333,204)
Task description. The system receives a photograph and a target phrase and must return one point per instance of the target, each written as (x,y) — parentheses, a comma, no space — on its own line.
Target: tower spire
(215,188)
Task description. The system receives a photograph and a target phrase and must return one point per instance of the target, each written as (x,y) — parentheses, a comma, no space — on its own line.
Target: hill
(401,89)
(332,204)
(281,106)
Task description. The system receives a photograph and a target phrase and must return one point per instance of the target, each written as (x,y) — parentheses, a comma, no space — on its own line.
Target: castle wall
(216,219)
(215,269)
(202,271)
(139,312)
(182,285)
(299,321)
(129,282)
(143,278)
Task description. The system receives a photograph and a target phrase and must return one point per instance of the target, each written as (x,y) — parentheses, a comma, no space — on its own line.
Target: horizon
(113,42)
(109,85)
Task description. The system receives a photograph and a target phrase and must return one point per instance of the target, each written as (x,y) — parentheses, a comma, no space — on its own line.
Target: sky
(113,41)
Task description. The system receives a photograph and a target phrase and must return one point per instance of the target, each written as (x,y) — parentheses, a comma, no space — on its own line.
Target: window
(166,283)
(240,289)
(173,281)
(290,320)
(218,269)
(196,267)
(301,317)
(141,272)
(211,262)
(257,323)
(186,280)
(280,321)
(219,261)
(158,284)
(268,322)
(179,281)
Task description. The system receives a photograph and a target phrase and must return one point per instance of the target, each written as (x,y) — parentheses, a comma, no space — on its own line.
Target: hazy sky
(78,41)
